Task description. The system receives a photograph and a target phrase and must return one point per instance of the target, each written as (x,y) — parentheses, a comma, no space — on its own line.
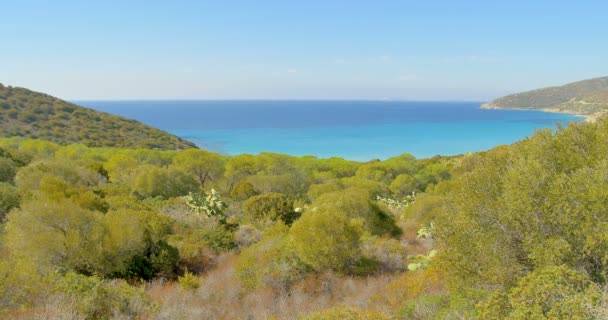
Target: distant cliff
(36,115)
(587,97)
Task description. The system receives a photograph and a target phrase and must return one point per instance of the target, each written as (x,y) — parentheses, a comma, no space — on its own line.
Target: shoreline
(587,117)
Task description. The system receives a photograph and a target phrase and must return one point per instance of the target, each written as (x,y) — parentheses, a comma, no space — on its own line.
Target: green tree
(202,164)
(326,240)
(166,183)
(555,292)
(8,169)
(269,207)
(51,234)
(9,199)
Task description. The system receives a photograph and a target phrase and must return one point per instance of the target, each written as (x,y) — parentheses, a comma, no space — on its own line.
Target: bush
(326,240)
(9,199)
(547,293)
(345,312)
(188,281)
(270,262)
(8,169)
(243,190)
(269,207)
(94,298)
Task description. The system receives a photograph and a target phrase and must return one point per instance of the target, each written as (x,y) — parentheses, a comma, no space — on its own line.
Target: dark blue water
(358,130)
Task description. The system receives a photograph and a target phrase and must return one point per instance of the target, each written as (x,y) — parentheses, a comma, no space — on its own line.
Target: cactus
(209,204)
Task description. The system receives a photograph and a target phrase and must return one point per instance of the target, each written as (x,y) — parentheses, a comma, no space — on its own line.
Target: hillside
(587,97)
(36,115)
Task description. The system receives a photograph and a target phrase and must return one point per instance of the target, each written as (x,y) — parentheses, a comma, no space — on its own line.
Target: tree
(548,293)
(326,240)
(57,233)
(269,207)
(8,169)
(202,164)
(158,182)
(9,199)
(241,166)
(403,184)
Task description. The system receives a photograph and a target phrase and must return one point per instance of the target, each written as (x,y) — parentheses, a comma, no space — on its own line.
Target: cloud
(292,71)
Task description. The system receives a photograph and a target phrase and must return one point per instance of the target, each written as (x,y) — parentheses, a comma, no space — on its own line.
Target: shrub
(326,240)
(8,169)
(548,293)
(270,262)
(94,298)
(269,207)
(345,312)
(188,281)
(9,199)
(243,190)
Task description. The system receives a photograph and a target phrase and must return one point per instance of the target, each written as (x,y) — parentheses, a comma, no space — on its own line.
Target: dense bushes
(96,215)
(524,219)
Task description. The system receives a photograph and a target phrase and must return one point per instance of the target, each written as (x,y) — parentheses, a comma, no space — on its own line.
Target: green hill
(36,115)
(587,97)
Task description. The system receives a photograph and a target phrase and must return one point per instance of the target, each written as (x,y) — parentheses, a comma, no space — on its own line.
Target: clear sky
(313,49)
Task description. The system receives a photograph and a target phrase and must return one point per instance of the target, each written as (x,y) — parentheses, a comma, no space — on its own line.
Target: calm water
(358,130)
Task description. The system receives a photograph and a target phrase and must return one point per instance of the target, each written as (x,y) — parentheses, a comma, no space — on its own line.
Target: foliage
(8,169)
(189,281)
(420,262)
(556,292)
(326,240)
(270,262)
(203,165)
(41,116)
(158,182)
(406,202)
(94,298)
(344,312)
(270,207)
(243,190)
(209,204)
(9,199)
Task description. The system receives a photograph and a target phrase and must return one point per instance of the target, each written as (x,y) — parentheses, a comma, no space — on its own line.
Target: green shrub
(326,240)
(8,169)
(243,190)
(9,199)
(270,262)
(269,207)
(189,281)
(345,312)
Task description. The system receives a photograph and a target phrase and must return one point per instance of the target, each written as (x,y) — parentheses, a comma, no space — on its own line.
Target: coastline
(587,117)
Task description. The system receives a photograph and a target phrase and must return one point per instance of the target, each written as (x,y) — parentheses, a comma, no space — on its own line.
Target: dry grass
(222,297)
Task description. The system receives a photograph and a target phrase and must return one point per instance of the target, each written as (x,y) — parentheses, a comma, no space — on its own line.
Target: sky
(313,49)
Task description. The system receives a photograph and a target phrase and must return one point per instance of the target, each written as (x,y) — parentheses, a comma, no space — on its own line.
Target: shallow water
(357,130)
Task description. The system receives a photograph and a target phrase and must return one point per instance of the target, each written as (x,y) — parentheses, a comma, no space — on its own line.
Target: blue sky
(407,50)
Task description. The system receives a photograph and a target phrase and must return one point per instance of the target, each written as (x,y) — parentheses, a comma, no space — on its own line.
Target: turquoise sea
(357,130)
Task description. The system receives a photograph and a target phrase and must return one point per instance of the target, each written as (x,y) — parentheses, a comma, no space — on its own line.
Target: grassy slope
(585,97)
(36,115)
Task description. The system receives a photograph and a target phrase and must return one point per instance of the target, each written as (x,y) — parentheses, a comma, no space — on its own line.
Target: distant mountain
(587,97)
(36,115)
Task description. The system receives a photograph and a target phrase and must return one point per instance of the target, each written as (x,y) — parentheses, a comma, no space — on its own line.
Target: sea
(355,130)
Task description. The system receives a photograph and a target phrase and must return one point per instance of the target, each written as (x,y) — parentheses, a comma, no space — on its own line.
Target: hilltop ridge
(586,97)
(37,115)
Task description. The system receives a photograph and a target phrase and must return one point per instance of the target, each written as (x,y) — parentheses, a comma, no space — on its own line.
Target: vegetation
(516,232)
(585,97)
(34,115)
(77,217)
